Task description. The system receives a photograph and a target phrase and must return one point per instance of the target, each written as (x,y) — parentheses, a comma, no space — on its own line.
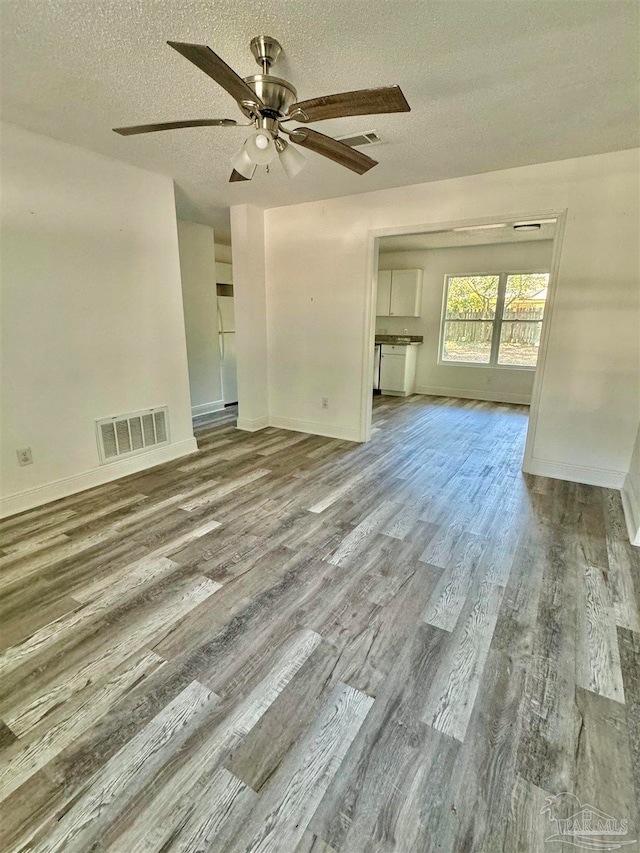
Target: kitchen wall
(320,285)
(92,320)
(483,383)
(198,271)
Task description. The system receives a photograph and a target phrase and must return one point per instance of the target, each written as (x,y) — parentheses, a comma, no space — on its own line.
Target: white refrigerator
(227,342)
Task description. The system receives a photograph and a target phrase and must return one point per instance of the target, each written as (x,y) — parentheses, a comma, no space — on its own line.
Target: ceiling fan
(268,102)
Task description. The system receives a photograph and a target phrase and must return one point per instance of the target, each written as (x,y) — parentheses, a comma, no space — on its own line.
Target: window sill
(528,368)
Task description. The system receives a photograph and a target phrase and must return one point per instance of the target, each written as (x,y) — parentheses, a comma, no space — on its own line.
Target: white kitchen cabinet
(406,293)
(384,293)
(398,370)
(399,293)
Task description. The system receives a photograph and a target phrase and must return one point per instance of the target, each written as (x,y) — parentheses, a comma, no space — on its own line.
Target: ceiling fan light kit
(260,147)
(268,102)
(293,161)
(243,164)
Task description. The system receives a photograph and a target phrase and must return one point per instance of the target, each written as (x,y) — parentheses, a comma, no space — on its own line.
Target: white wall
(631,493)
(250,303)
(507,385)
(224,272)
(198,271)
(320,291)
(91,314)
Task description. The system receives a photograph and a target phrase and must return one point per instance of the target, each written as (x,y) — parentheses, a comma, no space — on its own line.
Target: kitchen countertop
(399,340)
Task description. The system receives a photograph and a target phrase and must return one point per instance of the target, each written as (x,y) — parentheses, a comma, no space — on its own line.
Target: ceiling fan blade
(331,148)
(236,176)
(176,125)
(218,70)
(388,99)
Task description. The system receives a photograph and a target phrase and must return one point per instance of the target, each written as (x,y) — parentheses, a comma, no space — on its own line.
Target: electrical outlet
(24,456)
(325,402)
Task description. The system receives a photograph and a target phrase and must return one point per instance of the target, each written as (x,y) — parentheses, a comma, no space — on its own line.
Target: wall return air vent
(128,435)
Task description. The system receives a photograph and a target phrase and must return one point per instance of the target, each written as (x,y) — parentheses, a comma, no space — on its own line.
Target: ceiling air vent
(127,435)
(357,140)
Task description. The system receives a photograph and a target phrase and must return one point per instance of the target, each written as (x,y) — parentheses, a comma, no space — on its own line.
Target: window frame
(497,321)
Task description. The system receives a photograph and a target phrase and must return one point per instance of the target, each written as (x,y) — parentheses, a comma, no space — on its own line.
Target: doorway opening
(461,310)
(226,411)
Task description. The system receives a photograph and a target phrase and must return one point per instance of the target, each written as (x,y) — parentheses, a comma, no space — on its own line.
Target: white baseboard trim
(207,408)
(253,424)
(471,394)
(576,474)
(316,428)
(631,506)
(39,495)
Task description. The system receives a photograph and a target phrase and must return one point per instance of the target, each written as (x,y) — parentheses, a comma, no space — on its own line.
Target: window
(493,319)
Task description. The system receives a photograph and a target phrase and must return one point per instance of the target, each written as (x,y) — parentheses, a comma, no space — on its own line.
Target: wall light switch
(24,456)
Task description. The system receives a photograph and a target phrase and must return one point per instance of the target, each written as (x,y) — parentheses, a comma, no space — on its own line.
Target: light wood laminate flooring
(296,644)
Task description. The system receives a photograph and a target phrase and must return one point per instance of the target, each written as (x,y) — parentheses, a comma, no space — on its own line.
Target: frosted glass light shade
(260,147)
(293,161)
(242,163)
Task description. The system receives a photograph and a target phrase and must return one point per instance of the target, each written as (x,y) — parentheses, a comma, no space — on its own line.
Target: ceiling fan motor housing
(276,94)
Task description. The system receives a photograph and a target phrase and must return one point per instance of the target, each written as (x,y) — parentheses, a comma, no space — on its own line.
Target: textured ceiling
(450,239)
(492,84)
